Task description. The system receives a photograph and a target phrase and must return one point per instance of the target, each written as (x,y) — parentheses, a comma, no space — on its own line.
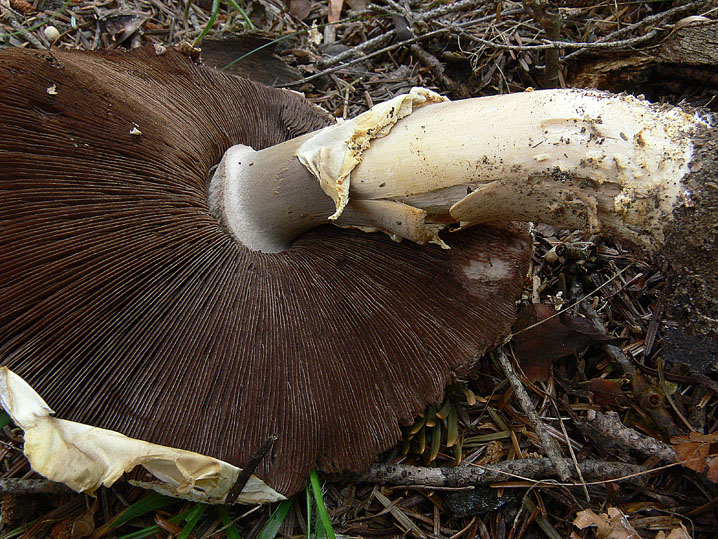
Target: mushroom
(125,306)
(178,323)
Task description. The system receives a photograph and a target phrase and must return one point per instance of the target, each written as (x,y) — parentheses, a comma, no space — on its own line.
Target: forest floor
(636,426)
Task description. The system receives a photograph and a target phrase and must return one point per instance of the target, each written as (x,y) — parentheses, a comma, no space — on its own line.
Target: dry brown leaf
(676,533)
(607,392)
(620,527)
(692,455)
(694,449)
(121,26)
(611,525)
(712,473)
(556,336)
(335,10)
(587,518)
(300,8)
(693,452)
(358,5)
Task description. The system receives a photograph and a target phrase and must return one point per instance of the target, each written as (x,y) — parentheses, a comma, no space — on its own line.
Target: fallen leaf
(692,455)
(587,518)
(675,533)
(607,392)
(712,474)
(542,336)
(358,5)
(121,26)
(611,525)
(620,527)
(335,10)
(300,8)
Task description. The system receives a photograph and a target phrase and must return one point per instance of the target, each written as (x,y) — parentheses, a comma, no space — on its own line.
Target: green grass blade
(192,519)
(436,435)
(247,20)
(452,428)
(140,534)
(137,509)
(275,521)
(4,418)
(229,530)
(309,510)
(210,22)
(17,532)
(321,508)
(152,530)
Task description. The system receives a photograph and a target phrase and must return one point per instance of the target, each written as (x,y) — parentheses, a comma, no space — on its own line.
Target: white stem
(573,158)
(267,198)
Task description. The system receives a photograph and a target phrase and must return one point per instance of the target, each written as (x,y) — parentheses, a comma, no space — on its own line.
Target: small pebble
(51,33)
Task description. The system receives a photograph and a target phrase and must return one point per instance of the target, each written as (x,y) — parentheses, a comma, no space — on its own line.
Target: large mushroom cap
(126,306)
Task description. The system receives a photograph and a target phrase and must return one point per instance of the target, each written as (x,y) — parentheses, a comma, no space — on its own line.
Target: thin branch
(32,486)
(609,428)
(358,52)
(470,475)
(370,55)
(546,45)
(626,30)
(550,19)
(547,442)
(436,67)
(246,473)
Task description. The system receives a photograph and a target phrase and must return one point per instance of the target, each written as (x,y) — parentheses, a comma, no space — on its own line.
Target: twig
(550,19)
(647,397)
(626,30)
(461,5)
(469,475)
(574,460)
(248,470)
(546,45)
(404,521)
(358,52)
(608,427)
(366,57)
(32,486)
(547,442)
(436,67)
(15,21)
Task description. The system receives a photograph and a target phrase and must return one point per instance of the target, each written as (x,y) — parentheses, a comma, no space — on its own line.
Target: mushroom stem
(267,198)
(571,158)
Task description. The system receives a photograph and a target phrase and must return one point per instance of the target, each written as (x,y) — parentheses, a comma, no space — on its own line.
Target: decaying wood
(690,52)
